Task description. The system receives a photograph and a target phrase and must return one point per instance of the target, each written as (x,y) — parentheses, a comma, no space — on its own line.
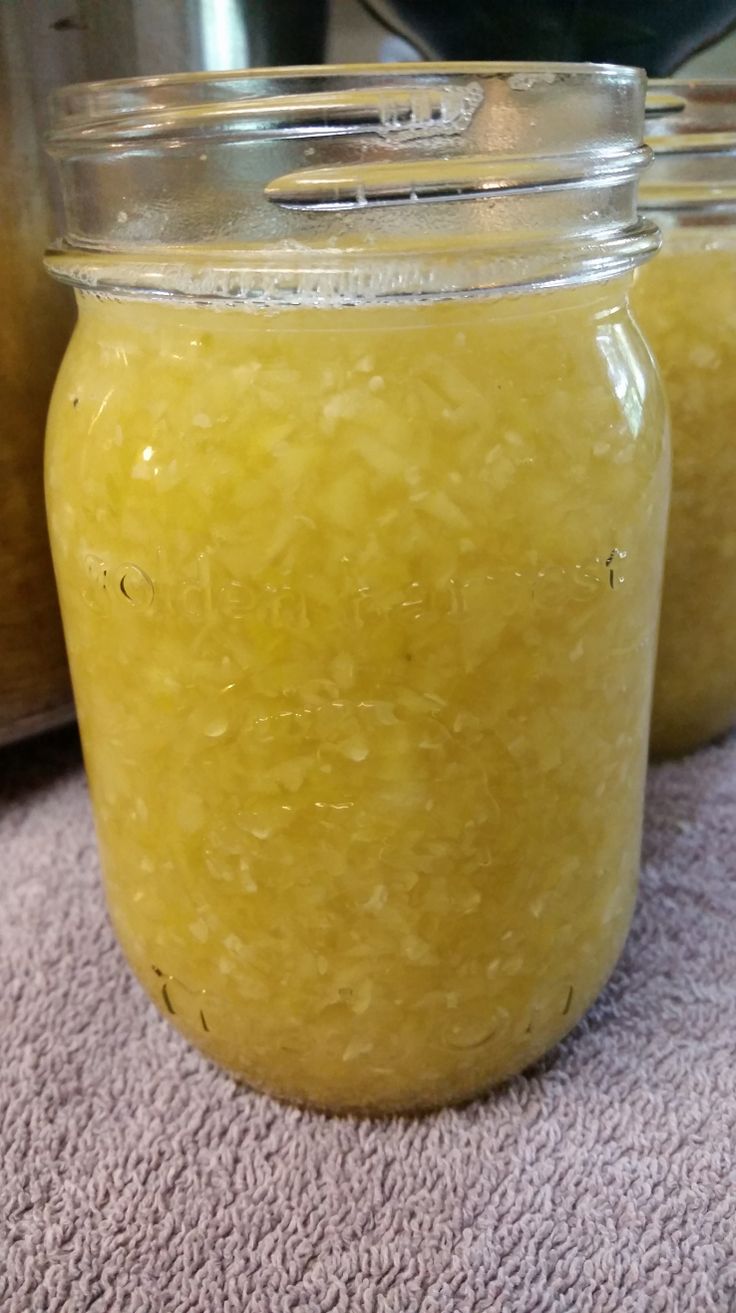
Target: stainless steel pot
(43,45)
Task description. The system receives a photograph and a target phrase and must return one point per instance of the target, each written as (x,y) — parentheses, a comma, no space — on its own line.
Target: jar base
(457,1091)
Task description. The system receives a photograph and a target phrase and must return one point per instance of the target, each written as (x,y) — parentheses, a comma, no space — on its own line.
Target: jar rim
(78,100)
(178,107)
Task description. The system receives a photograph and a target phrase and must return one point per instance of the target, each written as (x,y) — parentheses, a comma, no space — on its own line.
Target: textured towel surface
(138,1179)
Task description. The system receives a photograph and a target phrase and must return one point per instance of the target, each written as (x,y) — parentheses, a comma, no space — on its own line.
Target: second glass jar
(686,303)
(358,525)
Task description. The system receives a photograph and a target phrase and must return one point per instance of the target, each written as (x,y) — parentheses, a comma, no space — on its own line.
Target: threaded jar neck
(352,184)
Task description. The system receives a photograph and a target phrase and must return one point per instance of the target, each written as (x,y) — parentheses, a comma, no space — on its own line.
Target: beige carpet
(135,1178)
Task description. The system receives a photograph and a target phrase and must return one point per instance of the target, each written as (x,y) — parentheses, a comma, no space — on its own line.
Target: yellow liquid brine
(361,607)
(686,302)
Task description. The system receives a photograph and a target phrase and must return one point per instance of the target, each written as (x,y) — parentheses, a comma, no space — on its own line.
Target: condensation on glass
(357,478)
(686,303)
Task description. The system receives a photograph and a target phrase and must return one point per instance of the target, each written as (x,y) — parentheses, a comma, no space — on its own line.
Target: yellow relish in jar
(685,301)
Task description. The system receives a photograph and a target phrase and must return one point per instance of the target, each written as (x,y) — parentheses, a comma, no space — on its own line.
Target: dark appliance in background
(658,35)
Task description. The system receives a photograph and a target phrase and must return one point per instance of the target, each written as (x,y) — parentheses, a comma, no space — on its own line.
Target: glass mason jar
(357,478)
(686,303)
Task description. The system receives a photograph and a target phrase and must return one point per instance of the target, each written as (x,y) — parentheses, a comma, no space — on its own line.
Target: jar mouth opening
(84,103)
(400,105)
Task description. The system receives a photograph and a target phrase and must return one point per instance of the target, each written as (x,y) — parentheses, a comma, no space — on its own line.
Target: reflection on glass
(223,34)
(624,370)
